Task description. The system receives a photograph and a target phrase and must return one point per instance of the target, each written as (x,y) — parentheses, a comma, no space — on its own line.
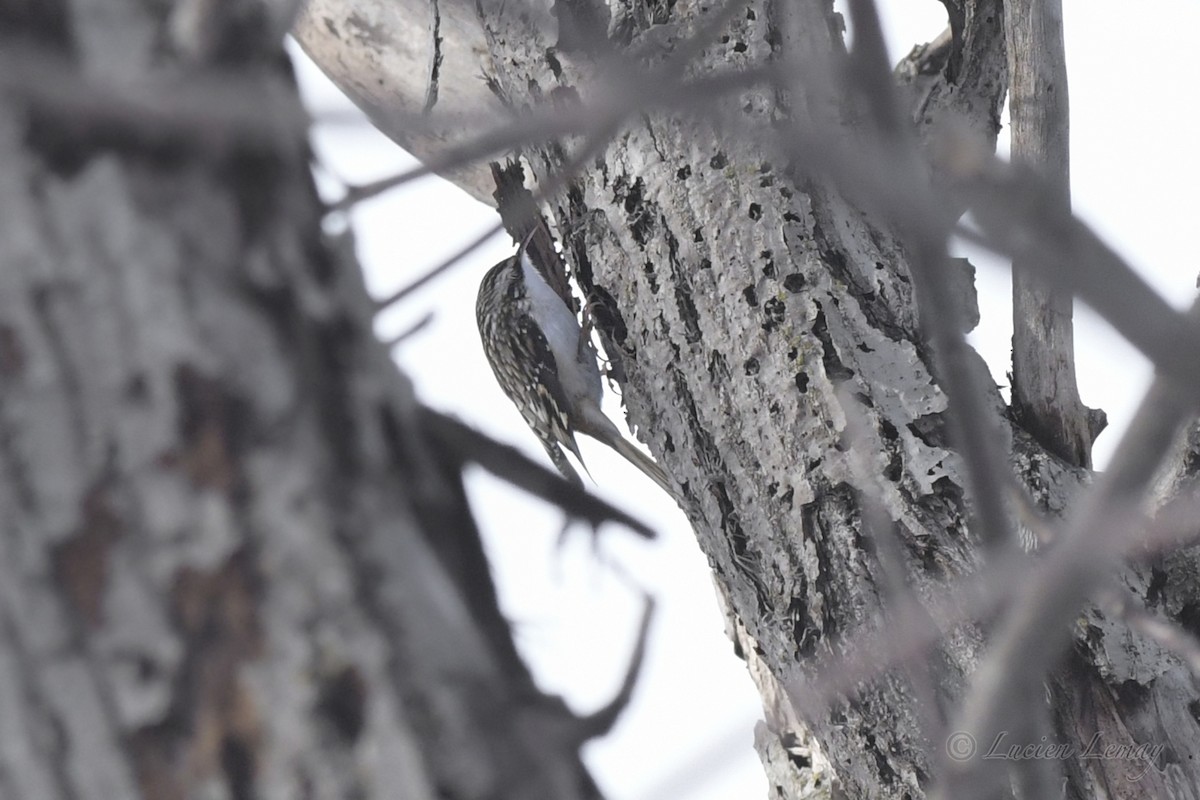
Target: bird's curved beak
(528,238)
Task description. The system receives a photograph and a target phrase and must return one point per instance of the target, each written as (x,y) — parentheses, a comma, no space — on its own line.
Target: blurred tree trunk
(743,303)
(235,561)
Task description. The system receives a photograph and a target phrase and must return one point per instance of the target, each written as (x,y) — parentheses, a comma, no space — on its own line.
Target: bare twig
(1045,396)
(1009,207)
(410,331)
(608,106)
(600,722)
(206,111)
(515,467)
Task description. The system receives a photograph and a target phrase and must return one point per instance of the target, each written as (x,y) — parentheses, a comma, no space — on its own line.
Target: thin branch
(206,111)
(1045,395)
(441,269)
(1014,220)
(601,722)
(409,332)
(610,105)
(515,467)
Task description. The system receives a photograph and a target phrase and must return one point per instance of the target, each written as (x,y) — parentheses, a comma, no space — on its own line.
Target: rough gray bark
(744,304)
(236,555)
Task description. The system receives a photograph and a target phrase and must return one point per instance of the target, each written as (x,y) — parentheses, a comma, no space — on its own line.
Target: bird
(546,364)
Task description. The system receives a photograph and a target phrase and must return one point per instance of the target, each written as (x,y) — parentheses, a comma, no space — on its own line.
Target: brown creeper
(546,364)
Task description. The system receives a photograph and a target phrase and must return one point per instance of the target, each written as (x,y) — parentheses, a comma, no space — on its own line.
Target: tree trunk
(237,557)
(761,321)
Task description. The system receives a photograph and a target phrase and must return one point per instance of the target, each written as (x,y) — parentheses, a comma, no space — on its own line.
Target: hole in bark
(751,296)
(794,283)
(802,382)
(719,161)
(768,263)
(755,212)
(775,312)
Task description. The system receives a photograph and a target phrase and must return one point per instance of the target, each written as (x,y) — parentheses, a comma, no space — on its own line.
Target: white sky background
(1133,80)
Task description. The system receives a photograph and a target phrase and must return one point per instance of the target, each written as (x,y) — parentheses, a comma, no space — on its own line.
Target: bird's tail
(643,462)
(560,460)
